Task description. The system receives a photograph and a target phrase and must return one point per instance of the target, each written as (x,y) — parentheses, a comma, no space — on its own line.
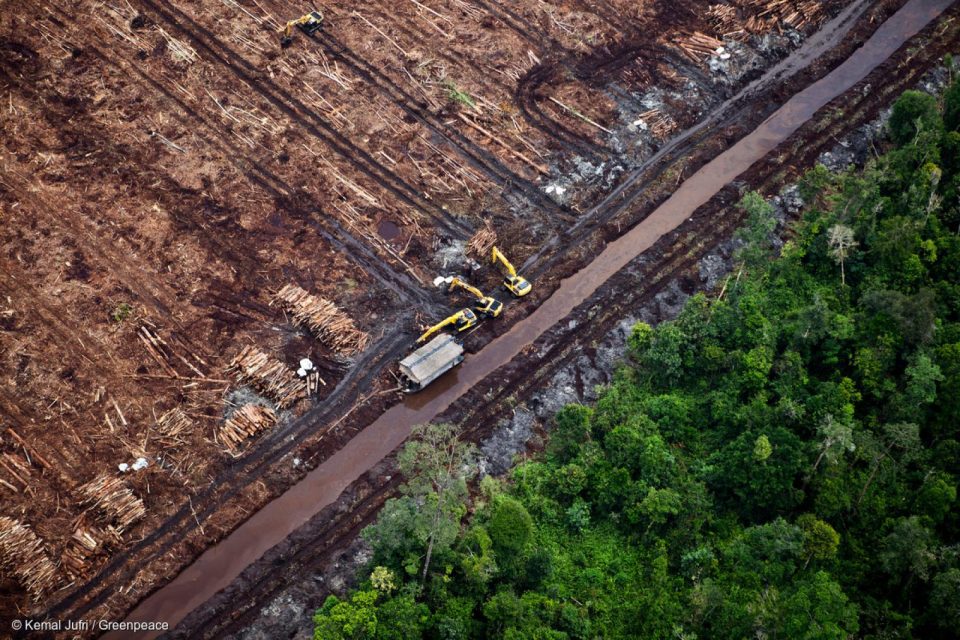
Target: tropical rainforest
(779,461)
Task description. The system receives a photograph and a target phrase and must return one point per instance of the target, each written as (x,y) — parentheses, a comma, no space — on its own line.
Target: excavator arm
(308,23)
(496,256)
(463,320)
(486,305)
(458,283)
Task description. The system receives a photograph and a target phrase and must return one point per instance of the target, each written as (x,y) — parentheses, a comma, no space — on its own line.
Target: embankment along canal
(219,565)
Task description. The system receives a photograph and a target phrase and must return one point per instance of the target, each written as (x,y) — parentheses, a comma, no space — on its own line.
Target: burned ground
(167,168)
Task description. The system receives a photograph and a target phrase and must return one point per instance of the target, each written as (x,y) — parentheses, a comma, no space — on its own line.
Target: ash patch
(240,396)
(857,147)
(575,176)
(450,256)
(711,268)
(497,453)
(665,305)
(285,617)
(609,356)
(562,391)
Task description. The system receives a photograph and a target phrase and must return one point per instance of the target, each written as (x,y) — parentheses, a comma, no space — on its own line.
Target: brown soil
(314,547)
(167,167)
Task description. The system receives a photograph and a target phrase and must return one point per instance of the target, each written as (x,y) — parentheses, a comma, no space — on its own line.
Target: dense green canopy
(778,463)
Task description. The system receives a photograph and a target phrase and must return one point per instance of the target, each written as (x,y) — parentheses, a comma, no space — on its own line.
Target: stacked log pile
(791,13)
(735,22)
(85,542)
(657,123)
(726,21)
(247,421)
(268,376)
(482,242)
(81,546)
(22,554)
(697,46)
(173,426)
(324,319)
(112,497)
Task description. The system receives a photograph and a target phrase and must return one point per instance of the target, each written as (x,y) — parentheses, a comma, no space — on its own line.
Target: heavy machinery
(462,320)
(515,283)
(438,356)
(309,23)
(430,361)
(486,306)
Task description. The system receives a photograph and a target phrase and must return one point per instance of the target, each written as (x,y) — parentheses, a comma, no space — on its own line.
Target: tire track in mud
(563,137)
(298,112)
(569,140)
(462,143)
(124,566)
(588,69)
(584,287)
(376,362)
(375,265)
(473,153)
(583,68)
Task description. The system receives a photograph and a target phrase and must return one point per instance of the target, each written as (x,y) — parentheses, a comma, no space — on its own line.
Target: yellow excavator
(486,306)
(462,320)
(515,283)
(309,23)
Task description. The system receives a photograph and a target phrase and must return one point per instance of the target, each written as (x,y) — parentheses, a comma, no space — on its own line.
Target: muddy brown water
(219,565)
(388,230)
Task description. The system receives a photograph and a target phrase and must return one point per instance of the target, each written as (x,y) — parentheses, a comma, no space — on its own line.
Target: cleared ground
(166,168)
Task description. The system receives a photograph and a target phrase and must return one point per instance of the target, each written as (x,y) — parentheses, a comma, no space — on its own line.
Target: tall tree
(410,529)
(835,438)
(755,233)
(437,466)
(841,241)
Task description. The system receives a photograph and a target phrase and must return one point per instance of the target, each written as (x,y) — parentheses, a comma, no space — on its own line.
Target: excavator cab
(517,285)
(514,282)
(309,23)
(489,307)
(486,306)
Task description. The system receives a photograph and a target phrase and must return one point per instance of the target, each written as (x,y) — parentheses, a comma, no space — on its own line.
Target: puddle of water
(220,564)
(388,230)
